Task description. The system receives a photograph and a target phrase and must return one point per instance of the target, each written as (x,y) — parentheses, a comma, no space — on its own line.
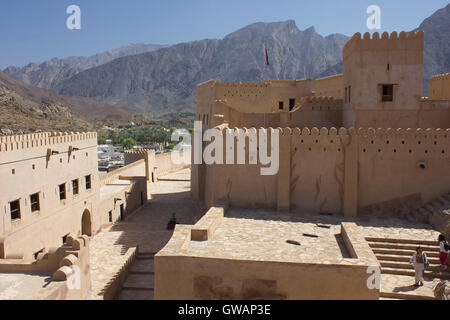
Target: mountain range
(50,73)
(163,79)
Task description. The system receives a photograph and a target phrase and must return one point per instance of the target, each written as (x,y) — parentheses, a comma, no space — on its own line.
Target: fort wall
(341,171)
(439,87)
(332,86)
(39,164)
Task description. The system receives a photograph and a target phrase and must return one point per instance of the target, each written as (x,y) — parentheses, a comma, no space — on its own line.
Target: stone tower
(382,75)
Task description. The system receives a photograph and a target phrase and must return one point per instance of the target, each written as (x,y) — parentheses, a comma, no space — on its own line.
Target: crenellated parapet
(440,87)
(409,41)
(139,151)
(444,76)
(29,141)
(427,139)
(131,156)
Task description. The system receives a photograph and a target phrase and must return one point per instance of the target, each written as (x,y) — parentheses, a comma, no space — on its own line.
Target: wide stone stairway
(140,283)
(398,274)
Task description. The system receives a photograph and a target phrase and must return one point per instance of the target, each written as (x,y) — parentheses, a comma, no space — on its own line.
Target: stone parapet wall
(439,87)
(364,171)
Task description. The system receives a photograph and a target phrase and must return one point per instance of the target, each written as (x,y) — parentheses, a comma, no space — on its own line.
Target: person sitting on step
(172,223)
(419,259)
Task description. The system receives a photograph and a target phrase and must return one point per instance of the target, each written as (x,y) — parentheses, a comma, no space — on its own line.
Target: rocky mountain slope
(50,73)
(437,44)
(24,108)
(165,80)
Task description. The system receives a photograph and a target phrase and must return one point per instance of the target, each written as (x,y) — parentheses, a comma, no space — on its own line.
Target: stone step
(426,248)
(432,261)
(408,253)
(405,272)
(138,257)
(143,266)
(443,201)
(139,282)
(403,241)
(399,265)
(136,295)
(403,296)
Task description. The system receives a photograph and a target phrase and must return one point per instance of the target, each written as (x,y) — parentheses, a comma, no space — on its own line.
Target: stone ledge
(205,228)
(357,245)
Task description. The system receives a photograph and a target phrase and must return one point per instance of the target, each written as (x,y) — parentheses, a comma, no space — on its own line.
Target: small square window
(34,200)
(88,182)
(388,93)
(75,188)
(62,191)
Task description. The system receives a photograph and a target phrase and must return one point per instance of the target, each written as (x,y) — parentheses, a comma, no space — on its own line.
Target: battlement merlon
(444,76)
(140,151)
(17,147)
(411,41)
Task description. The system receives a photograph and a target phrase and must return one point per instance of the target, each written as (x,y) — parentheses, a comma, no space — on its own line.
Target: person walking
(419,260)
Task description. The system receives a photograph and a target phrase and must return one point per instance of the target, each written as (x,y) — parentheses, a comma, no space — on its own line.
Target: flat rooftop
(265,239)
(115,187)
(22,286)
(263,235)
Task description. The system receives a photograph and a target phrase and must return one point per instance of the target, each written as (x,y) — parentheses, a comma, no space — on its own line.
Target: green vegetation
(129,143)
(146,130)
(139,136)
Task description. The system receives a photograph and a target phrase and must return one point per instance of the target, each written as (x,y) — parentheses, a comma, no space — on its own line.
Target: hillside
(24,108)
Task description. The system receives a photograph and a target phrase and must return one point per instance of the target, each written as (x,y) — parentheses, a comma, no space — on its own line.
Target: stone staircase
(436,213)
(394,256)
(140,283)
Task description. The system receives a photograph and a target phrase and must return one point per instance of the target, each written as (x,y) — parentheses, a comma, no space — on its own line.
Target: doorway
(122,212)
(86,224)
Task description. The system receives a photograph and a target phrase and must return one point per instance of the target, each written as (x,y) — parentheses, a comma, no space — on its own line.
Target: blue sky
(36,30)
